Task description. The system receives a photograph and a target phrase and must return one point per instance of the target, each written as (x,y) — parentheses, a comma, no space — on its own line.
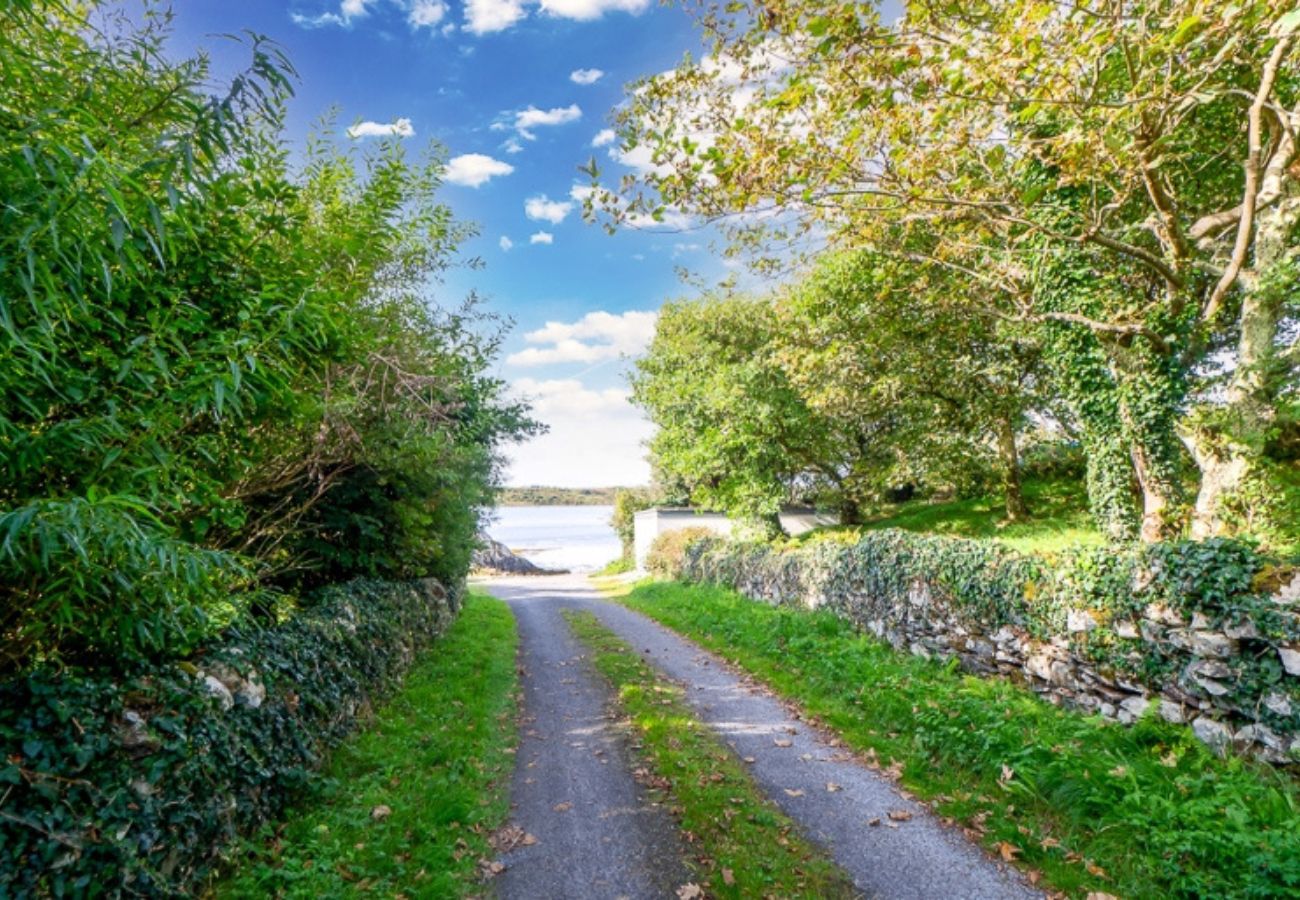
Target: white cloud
(541,237)
(586,76)
(586,10)
(505,243)
(474,169)
(513,146)
(532,117)
(398,128)
(603,138)
(596,437)
(425,13)
(543,209)
(486,16)
(348,10)
(595,337)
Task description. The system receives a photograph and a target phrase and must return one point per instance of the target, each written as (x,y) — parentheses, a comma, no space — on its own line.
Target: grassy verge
(1059,510)
(745,846)
(406,808)
(1084,805)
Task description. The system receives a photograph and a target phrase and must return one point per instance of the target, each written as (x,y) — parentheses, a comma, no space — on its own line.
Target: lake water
(578,538)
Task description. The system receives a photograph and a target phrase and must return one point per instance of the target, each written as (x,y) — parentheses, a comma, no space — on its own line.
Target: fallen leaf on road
(689,891)
(832,787)
(793,793)
(899,815)
(562,807)
(528,840)
(381,812)
(873,822)
(782,742)
(749,759)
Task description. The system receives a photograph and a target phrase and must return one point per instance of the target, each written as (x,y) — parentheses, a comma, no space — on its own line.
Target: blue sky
(517,92)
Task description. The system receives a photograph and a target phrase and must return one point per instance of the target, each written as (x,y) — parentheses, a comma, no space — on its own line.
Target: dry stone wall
(1206,634)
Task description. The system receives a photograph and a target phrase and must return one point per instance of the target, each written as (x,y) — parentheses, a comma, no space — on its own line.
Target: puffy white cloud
(425,13)
(586,10)
(474,169)
(505,243)
(603,138)
(595,337)
(398,128)
(543,209)
(596,437)
(541,237)
(586,76)
(486,16)
(532,117)
(512,146)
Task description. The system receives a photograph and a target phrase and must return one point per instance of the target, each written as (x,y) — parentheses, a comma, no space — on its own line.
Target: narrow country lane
(596,833)
(792,762)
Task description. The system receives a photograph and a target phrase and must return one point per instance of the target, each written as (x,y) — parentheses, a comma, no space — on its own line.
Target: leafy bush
(667,552)
(139,780)
(222,376)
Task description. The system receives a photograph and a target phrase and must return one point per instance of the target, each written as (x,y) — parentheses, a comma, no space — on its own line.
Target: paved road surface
(636,849)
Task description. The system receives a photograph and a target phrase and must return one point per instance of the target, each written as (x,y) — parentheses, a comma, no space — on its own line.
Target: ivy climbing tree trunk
(1009,461)
(1149,391)
(1227,444)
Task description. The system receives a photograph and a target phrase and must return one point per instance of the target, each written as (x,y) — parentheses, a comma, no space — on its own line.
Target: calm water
(558,537)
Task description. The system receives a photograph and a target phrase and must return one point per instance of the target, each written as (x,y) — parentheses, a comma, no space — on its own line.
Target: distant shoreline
(555,496)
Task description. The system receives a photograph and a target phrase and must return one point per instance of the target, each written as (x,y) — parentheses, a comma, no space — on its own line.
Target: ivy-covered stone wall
(1204,633)
(133,784)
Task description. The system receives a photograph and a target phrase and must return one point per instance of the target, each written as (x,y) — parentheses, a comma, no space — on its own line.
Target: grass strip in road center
(406,807)
(742,844)
(1083,804)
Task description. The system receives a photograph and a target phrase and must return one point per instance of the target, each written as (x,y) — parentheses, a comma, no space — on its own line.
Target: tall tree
(1157,137)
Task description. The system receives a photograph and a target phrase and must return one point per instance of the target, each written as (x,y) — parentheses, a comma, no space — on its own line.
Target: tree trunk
(1224,448)
(850,511)
(1149,394)
(1009,460)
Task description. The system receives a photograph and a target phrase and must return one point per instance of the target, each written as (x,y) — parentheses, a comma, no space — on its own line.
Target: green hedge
(134,784)
(1210,586)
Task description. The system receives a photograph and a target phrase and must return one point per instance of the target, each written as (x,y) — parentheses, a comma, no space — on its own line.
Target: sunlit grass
(1087,805)
(406,807)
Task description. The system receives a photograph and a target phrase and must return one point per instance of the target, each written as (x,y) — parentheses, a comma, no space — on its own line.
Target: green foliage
(1148,808)
(986,146)
(437,755)
(667,554)
(139,779)
(222,376)
(627,503)
(739,831)
(732,427)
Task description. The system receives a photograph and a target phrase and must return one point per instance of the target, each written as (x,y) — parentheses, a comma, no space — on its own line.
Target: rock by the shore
(496,558)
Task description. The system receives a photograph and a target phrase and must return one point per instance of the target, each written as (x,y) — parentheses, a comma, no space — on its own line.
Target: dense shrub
(667,552)
(222,375)
(133,783)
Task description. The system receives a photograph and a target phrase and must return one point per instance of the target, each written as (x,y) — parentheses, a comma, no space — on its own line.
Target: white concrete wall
(650,523)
